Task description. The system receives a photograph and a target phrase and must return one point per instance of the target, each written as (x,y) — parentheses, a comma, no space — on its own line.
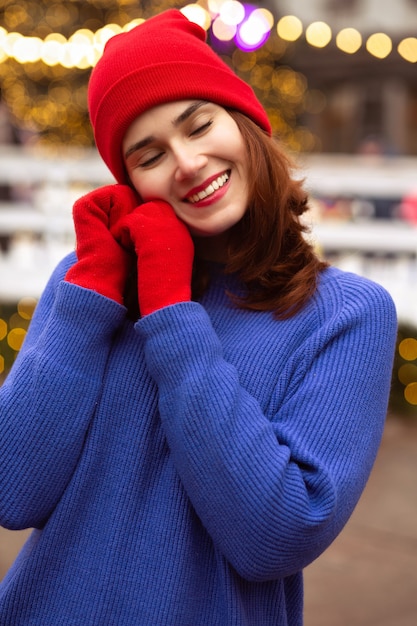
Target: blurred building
(371,101)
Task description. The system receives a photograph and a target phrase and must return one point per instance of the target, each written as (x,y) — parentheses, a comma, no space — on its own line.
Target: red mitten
(102,263)
(165,253)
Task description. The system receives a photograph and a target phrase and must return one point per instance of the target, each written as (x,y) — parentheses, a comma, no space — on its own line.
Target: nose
(188,162)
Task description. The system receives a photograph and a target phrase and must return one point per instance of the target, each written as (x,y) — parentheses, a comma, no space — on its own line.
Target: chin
(207,234)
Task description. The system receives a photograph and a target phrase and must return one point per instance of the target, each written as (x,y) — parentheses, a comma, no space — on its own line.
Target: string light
(407,48)
(318,34)
(404,381)
(223,31)
(379,45)
(349,40)
(52,59)
(14,322)
(410,393)
(232,12)
(407,349)
(289,28)
(84,47)
(197,14)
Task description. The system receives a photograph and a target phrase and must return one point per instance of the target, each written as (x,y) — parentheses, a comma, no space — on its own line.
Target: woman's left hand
(165,253)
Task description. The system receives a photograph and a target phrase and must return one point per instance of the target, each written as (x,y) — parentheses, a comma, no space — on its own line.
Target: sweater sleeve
(49,398)
(274,491)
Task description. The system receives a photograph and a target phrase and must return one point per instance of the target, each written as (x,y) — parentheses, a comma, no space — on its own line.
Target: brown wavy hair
(267,248)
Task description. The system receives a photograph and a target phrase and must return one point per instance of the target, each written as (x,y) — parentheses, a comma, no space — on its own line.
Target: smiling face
(192,155)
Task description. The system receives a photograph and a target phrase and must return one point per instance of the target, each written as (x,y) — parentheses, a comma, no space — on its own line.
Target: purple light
(253,31)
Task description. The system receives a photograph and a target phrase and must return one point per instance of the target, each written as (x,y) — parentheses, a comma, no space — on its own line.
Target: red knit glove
(102,263)
(165,253)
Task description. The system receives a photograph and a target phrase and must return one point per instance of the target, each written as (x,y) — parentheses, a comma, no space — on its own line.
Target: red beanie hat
(166,58)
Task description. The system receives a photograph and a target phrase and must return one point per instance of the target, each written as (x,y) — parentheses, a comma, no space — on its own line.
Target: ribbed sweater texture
(184,469)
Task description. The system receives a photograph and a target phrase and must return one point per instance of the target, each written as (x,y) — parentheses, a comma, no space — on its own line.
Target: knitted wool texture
(162,60)
(183,470)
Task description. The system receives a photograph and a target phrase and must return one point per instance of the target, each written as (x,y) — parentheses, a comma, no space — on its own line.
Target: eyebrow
(188,112)
(182,117)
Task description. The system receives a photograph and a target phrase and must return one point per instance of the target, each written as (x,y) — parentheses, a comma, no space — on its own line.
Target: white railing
(38,223)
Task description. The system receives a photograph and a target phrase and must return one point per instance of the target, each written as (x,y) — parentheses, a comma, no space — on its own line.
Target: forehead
(163,114)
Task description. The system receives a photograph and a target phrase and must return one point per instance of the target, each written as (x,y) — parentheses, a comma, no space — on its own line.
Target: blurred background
(339,81)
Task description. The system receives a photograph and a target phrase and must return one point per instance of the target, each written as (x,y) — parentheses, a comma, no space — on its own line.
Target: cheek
(236,150)
(148,186)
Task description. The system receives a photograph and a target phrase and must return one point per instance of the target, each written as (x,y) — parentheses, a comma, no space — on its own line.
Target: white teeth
(214,185)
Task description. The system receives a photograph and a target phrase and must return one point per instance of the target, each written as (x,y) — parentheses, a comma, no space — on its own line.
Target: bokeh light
(318,34)
(197,14)
(15,338)
(253,31)
(410,393)
(407,373)
(232,12)
(26,307)
(290,28)
(14,322)
(404,381)
(379,45)
(222,31)
(408,349)
(349,40)
(407,48)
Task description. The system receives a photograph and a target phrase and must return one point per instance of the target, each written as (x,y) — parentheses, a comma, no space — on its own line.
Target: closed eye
(151,161)
(201,129)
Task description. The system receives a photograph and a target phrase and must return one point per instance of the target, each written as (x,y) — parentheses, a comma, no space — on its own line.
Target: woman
(199,400)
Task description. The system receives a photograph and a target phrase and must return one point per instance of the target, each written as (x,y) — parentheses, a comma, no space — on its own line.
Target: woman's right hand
(165,253)
(102,264)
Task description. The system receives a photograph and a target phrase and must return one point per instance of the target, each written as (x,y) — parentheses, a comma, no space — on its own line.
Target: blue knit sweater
(183,470)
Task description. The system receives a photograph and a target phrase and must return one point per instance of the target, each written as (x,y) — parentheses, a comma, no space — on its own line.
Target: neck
(212,248)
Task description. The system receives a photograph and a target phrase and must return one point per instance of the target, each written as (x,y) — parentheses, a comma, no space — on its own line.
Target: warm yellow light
(289,83)
(9,43)
(79,51)
(102,36)
(84,47)
(410,393)
(197,14)
(55,37)
(3,35)
(232,12)
(266,16)
(289,28)
(27,49)
(82,36)
(260,22)
(222,31)
(53,49)
(349,40)
(408,349)
(26,307)
(133,24)
(407,373)
(318,34)
(15,338)
(3,329)
(253,30)
(379,45)
(244,61)
(407,48)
